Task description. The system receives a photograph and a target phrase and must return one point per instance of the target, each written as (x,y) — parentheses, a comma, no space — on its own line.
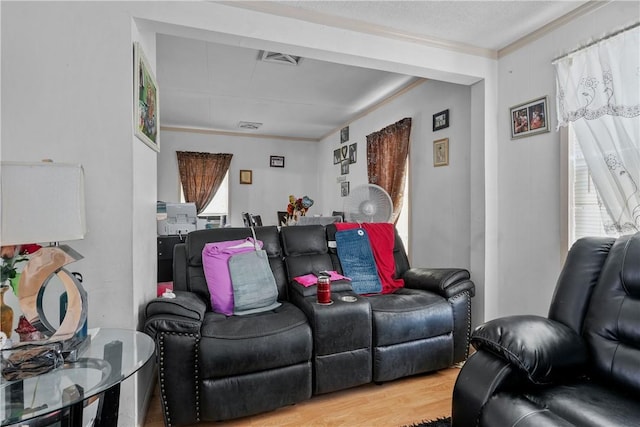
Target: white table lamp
(44,203)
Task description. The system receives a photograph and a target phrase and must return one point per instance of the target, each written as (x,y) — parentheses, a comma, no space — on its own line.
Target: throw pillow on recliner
(215,263)
(254,287)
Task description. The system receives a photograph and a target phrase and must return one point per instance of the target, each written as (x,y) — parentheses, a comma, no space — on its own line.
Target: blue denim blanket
(356,257)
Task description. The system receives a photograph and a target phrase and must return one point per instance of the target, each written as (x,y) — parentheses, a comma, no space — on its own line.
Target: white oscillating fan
(368,203)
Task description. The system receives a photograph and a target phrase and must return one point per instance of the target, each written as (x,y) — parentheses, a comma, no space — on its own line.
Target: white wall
(479,250)
(67,95)
(529,168)
(271,187)
(439,196)
(144,263)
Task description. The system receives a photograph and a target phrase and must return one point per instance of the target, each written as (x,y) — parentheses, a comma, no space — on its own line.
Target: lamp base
(45,264)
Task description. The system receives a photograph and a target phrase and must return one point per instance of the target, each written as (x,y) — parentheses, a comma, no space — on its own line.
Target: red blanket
(381,237)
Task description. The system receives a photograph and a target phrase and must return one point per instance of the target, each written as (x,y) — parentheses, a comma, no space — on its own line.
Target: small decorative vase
(6,312)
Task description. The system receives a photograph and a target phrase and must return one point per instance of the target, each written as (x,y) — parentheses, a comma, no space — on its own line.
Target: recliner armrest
(185,304)
(182,314)
(443,281)
(175,324)
(544,350)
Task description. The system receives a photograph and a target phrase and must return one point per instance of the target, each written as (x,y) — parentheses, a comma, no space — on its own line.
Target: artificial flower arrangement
(11,256)
(297,208)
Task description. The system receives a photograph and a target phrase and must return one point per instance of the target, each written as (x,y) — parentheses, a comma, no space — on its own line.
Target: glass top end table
(110,357)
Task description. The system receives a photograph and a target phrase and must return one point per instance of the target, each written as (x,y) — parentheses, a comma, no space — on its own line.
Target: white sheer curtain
(598,92)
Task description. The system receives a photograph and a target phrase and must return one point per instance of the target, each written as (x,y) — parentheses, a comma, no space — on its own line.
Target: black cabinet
(165,256)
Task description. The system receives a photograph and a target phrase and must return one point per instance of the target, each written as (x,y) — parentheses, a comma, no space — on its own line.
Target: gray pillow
(254,287)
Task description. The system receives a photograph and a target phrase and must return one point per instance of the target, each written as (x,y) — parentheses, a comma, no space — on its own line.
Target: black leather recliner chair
(580,366)
(213,367)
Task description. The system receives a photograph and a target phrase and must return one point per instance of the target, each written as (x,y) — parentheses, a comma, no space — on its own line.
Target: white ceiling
(213,86)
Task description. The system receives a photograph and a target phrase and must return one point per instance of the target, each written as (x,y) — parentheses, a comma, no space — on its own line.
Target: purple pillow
(215,263)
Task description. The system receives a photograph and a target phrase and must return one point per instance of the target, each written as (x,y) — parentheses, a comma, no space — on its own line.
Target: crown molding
(279,9)
(383,102)
(585,9)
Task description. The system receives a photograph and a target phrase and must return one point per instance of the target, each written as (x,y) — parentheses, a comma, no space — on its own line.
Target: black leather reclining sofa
(216,367)
(580,366)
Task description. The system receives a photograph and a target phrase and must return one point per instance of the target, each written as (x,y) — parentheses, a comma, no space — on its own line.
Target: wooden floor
(393,404)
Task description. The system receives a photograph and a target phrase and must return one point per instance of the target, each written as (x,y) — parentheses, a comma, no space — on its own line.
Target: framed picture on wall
(336,156)
(276,161)
(353,152)
(441,120)
(145,102)
(344,153)
(246,176)
(441,152)
(344,134)
(344,189)
(344,167)
(529,118)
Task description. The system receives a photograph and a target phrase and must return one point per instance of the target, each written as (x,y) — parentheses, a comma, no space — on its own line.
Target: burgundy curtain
(387,152)
(201,175)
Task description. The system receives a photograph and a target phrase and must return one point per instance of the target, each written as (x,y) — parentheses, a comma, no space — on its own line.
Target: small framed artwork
(344,134)
(441,152)
(344,153)
(529,118)
(276,161)
(246,176)
(344,189)
(353,152)
(344,167)
(441,120)
(145,103)
(337,157)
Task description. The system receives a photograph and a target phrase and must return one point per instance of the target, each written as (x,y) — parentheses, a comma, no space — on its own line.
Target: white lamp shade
(41,202)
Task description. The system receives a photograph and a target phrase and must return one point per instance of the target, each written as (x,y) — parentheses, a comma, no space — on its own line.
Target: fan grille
(368,203)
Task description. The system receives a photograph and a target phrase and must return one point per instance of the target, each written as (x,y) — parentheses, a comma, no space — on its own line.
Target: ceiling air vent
(249,125)
(280,58)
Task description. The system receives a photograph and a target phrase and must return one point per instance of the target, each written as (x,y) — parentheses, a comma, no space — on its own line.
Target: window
(585,208)
(403,220)
(598,98)
(219,205)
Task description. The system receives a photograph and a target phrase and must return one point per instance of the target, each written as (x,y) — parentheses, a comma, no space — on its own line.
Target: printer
(181,219)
